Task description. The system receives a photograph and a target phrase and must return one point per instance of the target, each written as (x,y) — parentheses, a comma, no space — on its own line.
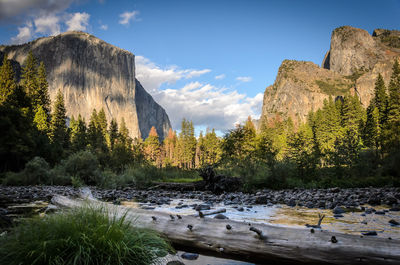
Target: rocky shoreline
(311,198)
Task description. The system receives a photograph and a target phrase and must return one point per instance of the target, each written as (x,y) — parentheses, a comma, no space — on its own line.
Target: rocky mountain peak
(351,66)
(93,74)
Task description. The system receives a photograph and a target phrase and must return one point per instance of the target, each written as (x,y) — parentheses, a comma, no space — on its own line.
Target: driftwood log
(259,243)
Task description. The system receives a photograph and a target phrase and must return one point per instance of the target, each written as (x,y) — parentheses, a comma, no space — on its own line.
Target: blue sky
(208,61)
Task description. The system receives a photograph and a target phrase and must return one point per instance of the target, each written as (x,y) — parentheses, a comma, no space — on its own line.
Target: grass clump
(86,235)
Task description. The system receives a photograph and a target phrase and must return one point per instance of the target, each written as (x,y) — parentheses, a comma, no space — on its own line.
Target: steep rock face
(94,74)
(300,87)
(350,66)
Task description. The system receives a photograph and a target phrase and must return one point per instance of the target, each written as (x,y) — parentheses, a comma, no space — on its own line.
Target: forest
(343,144)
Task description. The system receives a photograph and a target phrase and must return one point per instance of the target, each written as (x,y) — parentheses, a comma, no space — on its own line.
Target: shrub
(83,165)
(84,235)
(36,171)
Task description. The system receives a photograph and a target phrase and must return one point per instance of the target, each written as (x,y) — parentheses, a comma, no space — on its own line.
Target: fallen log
(223,210)
(277,244)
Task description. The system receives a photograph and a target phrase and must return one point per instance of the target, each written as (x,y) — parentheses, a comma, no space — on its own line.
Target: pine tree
(152,147)
(41,120)
(102,122)
(93,131)
(113,133)
(7,80)
(170,146)
(42,96)
(391,132)
(123,135)
(380,99)
(78,134)
(302,151)
(372,129)
(58,128)
(29,76)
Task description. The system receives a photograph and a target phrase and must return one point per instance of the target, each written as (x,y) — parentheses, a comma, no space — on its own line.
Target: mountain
(351,66)
(94,74)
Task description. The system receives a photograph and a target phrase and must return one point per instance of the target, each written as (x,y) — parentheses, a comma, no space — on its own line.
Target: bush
(83,165)
(85,235)
(36,172)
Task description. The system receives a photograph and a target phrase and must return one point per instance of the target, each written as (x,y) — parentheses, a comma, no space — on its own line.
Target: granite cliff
(351,66)
(94,74)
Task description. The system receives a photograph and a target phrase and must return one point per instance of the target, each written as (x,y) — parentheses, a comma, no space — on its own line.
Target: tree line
(342,141)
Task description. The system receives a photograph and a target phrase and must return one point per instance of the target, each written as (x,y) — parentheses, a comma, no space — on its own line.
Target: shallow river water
(354,221)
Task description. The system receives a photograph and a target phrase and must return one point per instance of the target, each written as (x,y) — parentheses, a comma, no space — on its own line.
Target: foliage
(87,235)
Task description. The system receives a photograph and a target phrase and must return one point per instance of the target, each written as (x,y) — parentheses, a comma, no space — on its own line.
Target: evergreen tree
(102,122)
(380,99)
(7,80)
(212,147)
(123,135)
(78,134)
(372,129)
(30,76)
(41,120)
(170,146)
(301,151)
(113,133)
(58,128)
(93,130)
(41,96)
(152,147)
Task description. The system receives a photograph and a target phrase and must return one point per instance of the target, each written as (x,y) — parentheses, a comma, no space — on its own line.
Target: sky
(206,61)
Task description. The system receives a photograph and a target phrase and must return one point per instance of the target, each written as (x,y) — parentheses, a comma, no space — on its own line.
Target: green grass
(181,180)
(81,236)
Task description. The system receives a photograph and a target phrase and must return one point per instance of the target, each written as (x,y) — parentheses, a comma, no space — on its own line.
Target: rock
(261,199)
(310,205)
(94,74)
(370,233)
(175,262)
(374,200)
(291,203)
(338,215)
(338,210)
(189,256)
(220,216)
(240,209)
(202,207)
(354,60)
(393,222)
(380,212)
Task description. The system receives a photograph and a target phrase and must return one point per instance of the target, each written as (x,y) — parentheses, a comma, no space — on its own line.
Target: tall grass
(81,236)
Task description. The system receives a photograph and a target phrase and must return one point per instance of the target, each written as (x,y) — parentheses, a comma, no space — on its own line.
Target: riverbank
(310,198)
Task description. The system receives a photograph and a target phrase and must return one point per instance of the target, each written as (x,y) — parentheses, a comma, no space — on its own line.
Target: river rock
(189,256)
(220,216)
(338,210)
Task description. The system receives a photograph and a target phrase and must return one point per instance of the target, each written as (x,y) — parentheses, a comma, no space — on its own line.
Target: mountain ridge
(93,74)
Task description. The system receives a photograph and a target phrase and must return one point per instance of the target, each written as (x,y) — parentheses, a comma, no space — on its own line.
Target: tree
(187,144)
(102,122)
(29,76)
(113,133)
(380,100)
(41,96)
(170,147)
(372,129)
(302,151)
(7,80)
(152,147)
(78,134)
(392,129)
(58,128)
(41,120)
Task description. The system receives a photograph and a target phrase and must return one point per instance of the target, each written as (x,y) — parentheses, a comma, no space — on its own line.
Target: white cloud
(244,78)
(104,27)
(204,104)
(78,21)
(47,24)
(24,34)
(152,76)
(196,73)
(127,17)
(220,77)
